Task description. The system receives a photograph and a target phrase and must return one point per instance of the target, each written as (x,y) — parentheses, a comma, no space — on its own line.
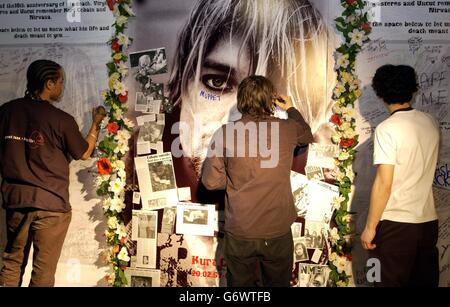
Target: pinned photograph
(141,104)
(144,231)
(168,220)
(299,185)
(314,172)
(143,277)
(161,176)
(195,219)
(147,226)
(156,179)
(300,250)
(322,155)
(311,275)
(150,62)
(315,234)
(296,229)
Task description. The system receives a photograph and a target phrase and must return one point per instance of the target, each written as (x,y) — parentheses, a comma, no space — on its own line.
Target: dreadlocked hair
(38,73)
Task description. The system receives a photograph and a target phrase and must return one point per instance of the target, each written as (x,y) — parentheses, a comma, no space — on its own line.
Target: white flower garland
(113,147)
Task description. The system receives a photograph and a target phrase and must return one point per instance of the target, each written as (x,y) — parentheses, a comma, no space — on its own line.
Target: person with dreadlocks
(36,139)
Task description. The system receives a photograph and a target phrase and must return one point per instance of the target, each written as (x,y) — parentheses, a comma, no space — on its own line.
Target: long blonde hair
(287,41)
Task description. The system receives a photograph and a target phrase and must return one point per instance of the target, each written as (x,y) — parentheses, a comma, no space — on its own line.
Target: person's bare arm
(91,138)
(381,191)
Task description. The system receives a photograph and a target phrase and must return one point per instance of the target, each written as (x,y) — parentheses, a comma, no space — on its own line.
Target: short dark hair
(255,96)
(38,73)
(395,83)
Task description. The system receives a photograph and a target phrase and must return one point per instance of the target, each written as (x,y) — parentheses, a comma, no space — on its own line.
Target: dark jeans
(272,258)
(408,254)
(46,231)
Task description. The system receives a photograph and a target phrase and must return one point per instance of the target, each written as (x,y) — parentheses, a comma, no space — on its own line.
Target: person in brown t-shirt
(36,140)
(251,160)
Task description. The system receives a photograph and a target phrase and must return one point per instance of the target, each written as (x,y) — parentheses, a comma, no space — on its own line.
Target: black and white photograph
(311,275)
(150,132)
(141,104)
(195,216)
(143,277)
(314,172)
(147,226)
(296,229)
(322,155)
(315,234)
(300,250)
(156,179)
(150,62)
(168,220)
(301,199)
(195,219)
(161,176)
(320,201)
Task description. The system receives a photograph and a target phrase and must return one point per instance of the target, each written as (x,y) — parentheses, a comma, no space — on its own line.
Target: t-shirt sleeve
(384,147)
(74,142)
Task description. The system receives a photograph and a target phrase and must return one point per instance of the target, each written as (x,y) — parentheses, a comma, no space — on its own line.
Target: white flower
(106,204)
(337,202)
(104,122)
(347,77)
(344,126)
(120,88)
(128,9)
(121,20)
(122,174)
(349,133)
(338,90)
(113,222)
(100,179)
(123,69)
(122,136)
(113,79)
(347,218)
(336,138)
(128,123)
(118,114)
(337,108)
(334,236)
(339,175)
(343,156)
(333,256)
(121,147)
(123,254)
(357,37)
(121,231)
(123,40)
(351,18)
(341,60)
(116,205)
(341,264)
(116,186)
(119,164)
(348,113)
(104,94)
(349,173)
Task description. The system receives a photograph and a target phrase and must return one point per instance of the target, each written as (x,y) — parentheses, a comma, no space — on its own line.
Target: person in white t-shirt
(402,227)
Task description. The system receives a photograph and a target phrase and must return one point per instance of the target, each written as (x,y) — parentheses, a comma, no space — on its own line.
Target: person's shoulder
(13,103)
(62,115)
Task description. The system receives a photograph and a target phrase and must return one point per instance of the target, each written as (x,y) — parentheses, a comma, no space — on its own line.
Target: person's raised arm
(91,138)
(304,135)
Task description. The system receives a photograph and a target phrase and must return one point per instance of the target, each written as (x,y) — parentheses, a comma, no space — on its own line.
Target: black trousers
(408,254)
(259,262)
